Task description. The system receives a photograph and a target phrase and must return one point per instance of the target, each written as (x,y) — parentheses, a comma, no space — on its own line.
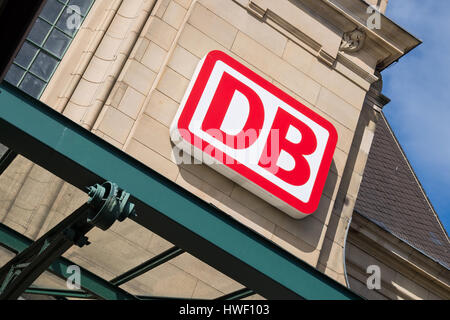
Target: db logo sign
(249,130)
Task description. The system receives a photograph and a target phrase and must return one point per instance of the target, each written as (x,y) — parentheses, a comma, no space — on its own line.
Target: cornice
(375,98)
(347,18)
(395,40)
(383,246)
(370,78)
(333,59)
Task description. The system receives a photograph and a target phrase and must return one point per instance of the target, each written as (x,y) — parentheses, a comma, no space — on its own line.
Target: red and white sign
(254,133)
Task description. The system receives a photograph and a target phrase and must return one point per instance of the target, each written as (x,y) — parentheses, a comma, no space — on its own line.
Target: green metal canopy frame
(81,158)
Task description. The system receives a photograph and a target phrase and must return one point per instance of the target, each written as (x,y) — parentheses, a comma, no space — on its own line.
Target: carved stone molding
(290,31)
(374,97)
(353,41)
(342,18)
(370,78)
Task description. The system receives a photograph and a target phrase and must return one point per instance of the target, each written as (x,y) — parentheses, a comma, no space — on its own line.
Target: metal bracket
(107,203)
(111,204)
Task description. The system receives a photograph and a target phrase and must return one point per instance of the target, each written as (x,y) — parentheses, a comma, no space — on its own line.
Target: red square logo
(254,133)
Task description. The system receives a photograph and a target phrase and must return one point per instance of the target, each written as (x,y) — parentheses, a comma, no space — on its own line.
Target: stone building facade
(123,78)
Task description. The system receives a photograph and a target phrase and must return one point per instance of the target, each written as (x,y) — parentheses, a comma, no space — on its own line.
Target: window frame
(41,48)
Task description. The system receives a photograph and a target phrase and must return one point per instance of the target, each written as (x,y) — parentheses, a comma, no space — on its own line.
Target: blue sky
(419,86)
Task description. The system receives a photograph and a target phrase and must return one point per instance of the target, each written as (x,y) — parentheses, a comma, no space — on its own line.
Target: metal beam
(90,282)
(238,295)
(147,266)
(59,293)
(106,204)
(97,287)
(79,157)
(21,271)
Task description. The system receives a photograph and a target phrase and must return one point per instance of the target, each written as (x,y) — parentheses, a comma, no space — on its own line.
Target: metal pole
(147,266)
(107,204)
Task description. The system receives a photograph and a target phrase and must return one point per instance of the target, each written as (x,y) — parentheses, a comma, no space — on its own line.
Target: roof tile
(391,196)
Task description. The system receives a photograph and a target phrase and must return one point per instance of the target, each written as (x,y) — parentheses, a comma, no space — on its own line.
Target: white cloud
(419,86)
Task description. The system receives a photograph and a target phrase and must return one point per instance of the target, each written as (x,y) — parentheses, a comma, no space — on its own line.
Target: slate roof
(391,196)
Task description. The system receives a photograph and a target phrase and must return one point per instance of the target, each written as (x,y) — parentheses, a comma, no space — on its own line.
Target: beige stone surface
(110,140)
(338,229)
(332,256)
(153,57)
(213,26)
(48,280)
(339,161)
(255,297)
(204,291)
(209,193)
(162,108)
(183,62)
(307,23)
(174,14)
(338,84)
(5,256)
(110,253)
(167,281)
(338,109)
(184,3)
(274,66)
(117,30)
(116,124)
(84,93)
(211,176)
(345,135)
(11,182)
(161,7)
(298,57)
(248,24)
(158,244)
(108,48)
(117,94)
(134,233)
(207,274)
(354,185)
(30,202)
(97,69)
(197,42)
(173,84)
(149,133)
(131,102)
(161,33)
(138,76)
(295,245)
(152,159)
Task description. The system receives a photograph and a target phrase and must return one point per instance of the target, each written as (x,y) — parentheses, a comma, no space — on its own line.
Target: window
(43,50)
(46,44)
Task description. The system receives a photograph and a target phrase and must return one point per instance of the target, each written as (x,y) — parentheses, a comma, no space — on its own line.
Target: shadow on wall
(344,204)
(298,235)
